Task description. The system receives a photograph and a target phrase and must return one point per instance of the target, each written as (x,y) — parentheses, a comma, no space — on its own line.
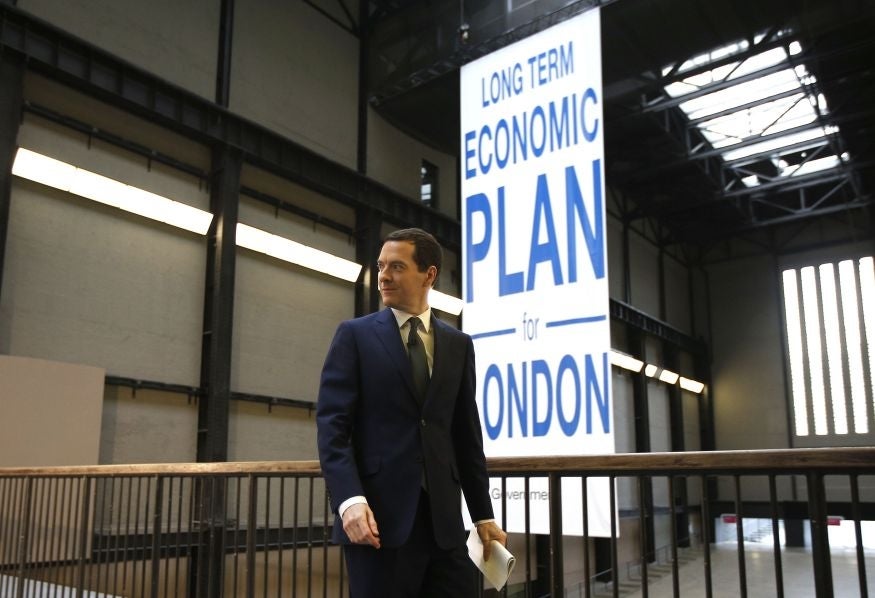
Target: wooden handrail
(845,460)
(798,461)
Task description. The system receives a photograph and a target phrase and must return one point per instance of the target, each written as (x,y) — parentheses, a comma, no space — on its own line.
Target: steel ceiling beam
(467,53)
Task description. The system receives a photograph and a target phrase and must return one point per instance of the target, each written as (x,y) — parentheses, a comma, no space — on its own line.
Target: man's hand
(488,532)
(360,525)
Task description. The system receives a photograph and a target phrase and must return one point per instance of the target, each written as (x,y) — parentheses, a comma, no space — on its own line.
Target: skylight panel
(779,100)
(743,93)
(774,117)
(811,166)
(774,144)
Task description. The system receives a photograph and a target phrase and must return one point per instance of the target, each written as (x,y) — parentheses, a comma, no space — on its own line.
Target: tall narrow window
(428,176)
(830,316)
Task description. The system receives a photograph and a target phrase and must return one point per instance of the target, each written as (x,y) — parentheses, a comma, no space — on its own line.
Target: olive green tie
(418,363)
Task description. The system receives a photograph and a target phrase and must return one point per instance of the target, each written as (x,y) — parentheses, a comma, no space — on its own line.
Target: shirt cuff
(481,521)
(352,500)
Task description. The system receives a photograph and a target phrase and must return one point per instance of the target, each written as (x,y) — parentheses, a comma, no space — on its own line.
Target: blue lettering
(519,138)
(540,368)
(484,132)
(559,125)
(588,134)
(515,403)
(549,250)
(569,427)
(476,252)
(601,396)
(492,430)
(595,240)
(508,284)
(566,59)
(469,153)
(540,387)
(538,115)
(500,161)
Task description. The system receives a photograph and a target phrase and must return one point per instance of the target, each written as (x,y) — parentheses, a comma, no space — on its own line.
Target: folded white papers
(497,569)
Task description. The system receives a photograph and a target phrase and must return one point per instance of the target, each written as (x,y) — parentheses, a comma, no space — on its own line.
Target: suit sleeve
(468,441)
(335,416)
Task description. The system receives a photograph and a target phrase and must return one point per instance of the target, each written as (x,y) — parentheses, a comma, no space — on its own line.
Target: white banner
(534,262)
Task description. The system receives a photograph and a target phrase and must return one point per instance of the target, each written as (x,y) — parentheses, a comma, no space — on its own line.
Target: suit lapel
(386,329)
(442,352)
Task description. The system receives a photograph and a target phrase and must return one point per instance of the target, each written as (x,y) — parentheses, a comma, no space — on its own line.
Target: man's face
(402,285)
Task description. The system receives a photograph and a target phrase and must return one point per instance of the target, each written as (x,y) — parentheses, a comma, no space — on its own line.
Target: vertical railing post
(557,575)
(739,538)
(776,540)
(819,536)
(584,491)
(251,530)
(156,535)
(861,560)
(615,563)
(707,535)
(85,488)
(645,540)
(24,539)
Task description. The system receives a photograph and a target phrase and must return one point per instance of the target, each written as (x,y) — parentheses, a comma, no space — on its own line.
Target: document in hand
(497,569)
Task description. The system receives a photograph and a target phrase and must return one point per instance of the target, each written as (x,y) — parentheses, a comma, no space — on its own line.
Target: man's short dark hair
(426,250)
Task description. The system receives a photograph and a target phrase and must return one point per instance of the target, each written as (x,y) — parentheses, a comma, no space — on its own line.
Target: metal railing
(262,529)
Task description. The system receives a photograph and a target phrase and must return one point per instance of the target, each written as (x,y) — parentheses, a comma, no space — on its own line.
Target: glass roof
(770,116)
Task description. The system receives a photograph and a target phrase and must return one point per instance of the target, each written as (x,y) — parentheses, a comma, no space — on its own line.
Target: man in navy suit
(397,443)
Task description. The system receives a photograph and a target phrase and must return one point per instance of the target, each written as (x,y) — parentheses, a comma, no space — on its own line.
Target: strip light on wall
(691,385)
(447,303)
(668,376)
(78,181)
(627,362)
(296,253)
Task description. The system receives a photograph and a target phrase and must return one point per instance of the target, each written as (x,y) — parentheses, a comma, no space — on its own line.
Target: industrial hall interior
(658,229)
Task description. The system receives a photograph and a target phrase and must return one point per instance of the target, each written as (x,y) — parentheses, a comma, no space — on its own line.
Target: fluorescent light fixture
(650,370)
(66,177)
(447,303)
(691,385)
(627,362)
(668,376)
(296,253)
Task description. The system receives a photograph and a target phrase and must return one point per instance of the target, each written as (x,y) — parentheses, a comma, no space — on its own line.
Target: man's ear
(431,275)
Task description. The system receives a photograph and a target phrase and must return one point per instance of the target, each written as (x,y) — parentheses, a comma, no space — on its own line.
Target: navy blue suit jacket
(374,440)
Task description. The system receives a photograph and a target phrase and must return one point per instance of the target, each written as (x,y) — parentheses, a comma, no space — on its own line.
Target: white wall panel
(677,296)
(750,407)
(616,277)
(644,276)
(395,159)
(296,73)
(281,434)
(177,41)
(148,426)
(284,319)
(85,283)
(94,155)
